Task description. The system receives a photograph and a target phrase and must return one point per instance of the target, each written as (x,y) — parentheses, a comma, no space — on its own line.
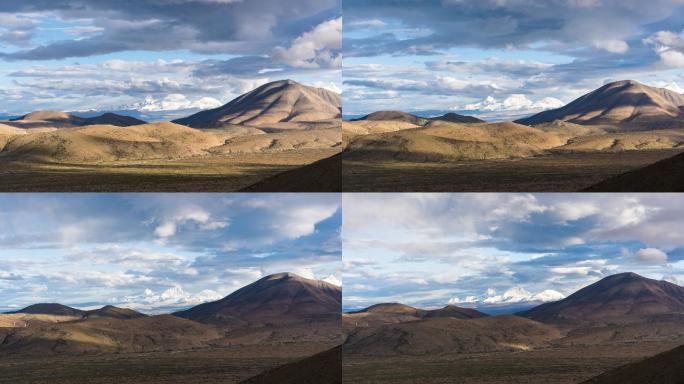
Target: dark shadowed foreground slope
(321,176)
(323,368)
(664,176)
(664,368)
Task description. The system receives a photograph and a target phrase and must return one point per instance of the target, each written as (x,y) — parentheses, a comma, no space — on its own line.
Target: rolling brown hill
(275,102)
(10,130)
(393,313)
(442,335)
(627,141)
(626,103)
(45,119)
(282,141)
(283,298)
(663,176)
(55,309)
(571,130)
(403,309)
(108,335)
(49,115)
(665,368)
(19,320)
(322,368)
(620,298)
(441,141)
(352,129)
(99,143)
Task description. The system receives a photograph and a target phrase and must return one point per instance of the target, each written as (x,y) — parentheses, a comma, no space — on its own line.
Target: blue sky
(159,252)
(502,250)
(162,57)
(500,59)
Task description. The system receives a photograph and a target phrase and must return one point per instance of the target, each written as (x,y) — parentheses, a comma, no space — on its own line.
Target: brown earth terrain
(619,128)
(553,172)
(217,173)
(618,320)
(277,320)
(275,128)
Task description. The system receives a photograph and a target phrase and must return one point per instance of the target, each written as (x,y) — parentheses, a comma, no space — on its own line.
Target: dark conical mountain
(393,116)
(113,312)
(391,308)
(113,119)
(456,118)
(276,299)
(51,309)
(275,102)
(625,102)
(622,297)
(455,312)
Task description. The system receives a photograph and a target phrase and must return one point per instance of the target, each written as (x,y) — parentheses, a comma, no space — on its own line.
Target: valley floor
(558,172)
(220,365)
(225,173)
(567,365)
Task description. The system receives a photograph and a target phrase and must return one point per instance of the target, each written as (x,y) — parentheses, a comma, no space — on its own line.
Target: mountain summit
(625,102)
(619,298)
(275,102)
(279,299)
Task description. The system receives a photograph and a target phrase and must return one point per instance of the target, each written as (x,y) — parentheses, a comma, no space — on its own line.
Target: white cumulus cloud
(316,48)
(651,256)
(515,102)
(176,101)
(520,295)
(669,46)
(189,214)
